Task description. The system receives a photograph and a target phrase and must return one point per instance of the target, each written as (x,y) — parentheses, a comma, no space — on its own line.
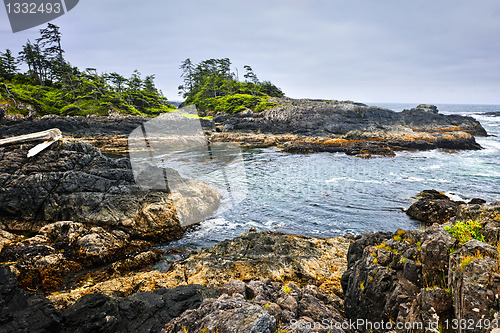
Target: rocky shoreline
(293,126)
(78,236)
(275,282)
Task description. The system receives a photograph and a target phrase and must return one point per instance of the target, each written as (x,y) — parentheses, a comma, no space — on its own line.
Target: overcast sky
(425,51)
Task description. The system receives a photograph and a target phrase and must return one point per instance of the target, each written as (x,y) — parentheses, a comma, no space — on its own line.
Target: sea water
(332,194)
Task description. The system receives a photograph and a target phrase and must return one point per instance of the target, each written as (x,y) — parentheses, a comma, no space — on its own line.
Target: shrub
(465,231)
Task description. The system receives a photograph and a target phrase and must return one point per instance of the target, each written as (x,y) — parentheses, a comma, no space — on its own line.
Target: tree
(118,81)
(8,64)
(33,57)
(250,75)
(50,41)
(187,68)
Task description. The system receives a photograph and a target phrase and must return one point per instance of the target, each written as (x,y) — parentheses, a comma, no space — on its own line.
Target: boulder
(141,312)
(433,207)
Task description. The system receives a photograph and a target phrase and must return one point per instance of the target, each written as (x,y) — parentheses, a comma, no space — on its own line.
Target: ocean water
(332,194)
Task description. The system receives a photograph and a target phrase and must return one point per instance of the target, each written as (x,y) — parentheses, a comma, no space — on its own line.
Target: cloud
(434,51)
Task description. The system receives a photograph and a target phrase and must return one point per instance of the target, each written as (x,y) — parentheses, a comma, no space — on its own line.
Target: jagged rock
(64,247)
(251,256)
(74,181)
(260,306)
(141,312)
(433,207)
(23,311)
(353,128)
(388,281)
(260,255)
(431,306)
(426,276)
(226,315)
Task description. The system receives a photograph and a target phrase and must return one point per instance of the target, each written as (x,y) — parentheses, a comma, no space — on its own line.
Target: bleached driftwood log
(50,136)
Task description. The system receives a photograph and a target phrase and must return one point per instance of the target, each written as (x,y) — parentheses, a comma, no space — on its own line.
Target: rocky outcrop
(433,207)
(76,126)
(427,276)
(256,255)
(252,256)
(24,311)
(62,248)
(74,181)
(262,306)
(353,128)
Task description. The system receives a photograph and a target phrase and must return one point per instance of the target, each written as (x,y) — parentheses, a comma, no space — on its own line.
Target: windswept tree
(8,65)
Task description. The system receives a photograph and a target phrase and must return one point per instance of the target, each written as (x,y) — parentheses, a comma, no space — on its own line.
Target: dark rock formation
(353,128)
(433,207)
(22,311)
(426,276)
(141,312)
(74,181)
(78,127)
(321,118)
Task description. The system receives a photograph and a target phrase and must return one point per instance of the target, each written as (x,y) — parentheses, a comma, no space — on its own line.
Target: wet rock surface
(433,207)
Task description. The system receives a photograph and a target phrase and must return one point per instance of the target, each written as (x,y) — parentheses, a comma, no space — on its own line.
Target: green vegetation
(468,259)
(465,231)
(52,86)
(286,289)
(211,86)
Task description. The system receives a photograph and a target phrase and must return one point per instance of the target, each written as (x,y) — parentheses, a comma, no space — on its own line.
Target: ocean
(332,194)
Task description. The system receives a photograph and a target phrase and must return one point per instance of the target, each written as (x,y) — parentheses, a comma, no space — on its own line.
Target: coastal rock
(354,128)
(251,256)
(259,255)
(427,276)
(433,207)
(23,311)
(224,315)
(262,306)
(390,280)
(64,247)
(74,181)
(141,312)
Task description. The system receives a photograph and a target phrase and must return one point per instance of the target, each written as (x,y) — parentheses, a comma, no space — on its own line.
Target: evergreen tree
(8,65)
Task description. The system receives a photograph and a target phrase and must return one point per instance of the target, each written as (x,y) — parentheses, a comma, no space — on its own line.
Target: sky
(425,51)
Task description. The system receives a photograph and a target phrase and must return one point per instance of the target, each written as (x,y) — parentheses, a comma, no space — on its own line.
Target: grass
(286,289)
(468,259)
(465,231)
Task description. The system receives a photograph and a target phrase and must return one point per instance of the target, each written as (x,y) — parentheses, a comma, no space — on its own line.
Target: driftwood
(50,136)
